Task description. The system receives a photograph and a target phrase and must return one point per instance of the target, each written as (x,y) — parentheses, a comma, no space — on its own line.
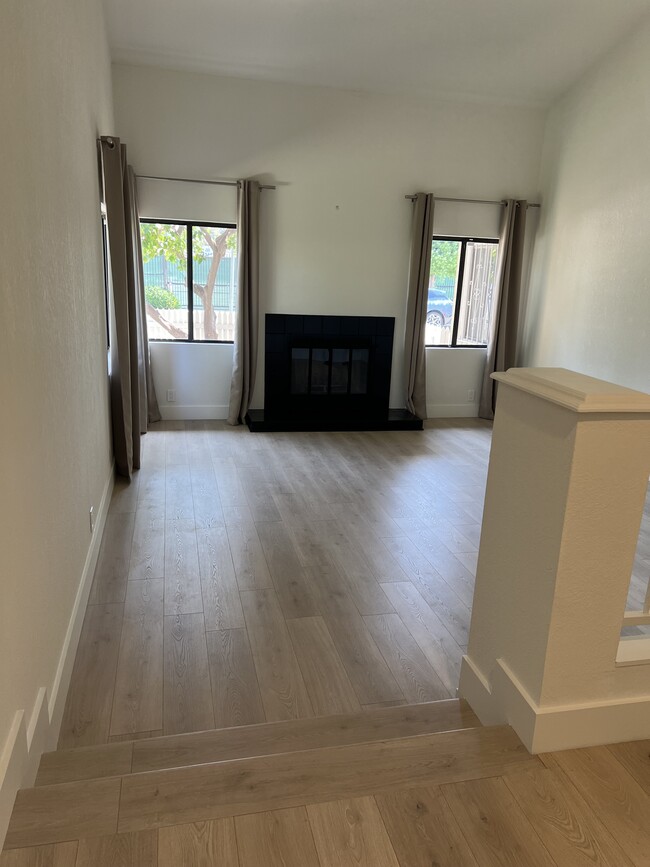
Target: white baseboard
(192,412)
(477,692)
(29,739)
(503,699)
(452,410)
(13,762)
(38,729)
(59,690)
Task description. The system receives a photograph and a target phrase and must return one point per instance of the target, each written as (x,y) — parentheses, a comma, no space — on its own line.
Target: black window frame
(189,225)
(464,240)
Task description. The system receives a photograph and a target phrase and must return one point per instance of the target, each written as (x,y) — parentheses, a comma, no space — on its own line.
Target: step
(140,801)
(218,745)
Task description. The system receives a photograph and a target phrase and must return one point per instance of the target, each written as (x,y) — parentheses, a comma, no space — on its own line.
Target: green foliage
(201,248)
(162,239)
(161,298)
(444,258)
(170,241)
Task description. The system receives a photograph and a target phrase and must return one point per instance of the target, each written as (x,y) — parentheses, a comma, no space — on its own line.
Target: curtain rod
(474,201)
(199,181)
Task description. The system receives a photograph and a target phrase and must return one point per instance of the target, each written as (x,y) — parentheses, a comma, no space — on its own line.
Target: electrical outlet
(471,394)
(91,516)
(171,395)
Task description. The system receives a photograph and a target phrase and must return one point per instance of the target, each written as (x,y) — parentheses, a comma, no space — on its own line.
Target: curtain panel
(133,398)
(416,308)
(504,324)
(246,335)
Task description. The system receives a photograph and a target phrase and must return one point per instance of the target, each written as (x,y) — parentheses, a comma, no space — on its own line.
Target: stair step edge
(199,767)
(192,748)
(150,800)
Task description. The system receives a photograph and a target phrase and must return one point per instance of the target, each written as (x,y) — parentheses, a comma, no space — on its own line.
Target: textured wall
(589,307)
(55,97)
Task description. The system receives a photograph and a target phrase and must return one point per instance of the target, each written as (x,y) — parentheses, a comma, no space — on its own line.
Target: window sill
(192,342)
(442,346)
(633,650)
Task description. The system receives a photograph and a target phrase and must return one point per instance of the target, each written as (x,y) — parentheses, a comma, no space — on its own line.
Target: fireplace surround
(328,373)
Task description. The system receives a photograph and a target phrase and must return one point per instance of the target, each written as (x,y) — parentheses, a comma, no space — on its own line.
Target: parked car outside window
(440,308)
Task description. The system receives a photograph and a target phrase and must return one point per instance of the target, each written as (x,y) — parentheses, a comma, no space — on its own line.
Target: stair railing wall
(566,488)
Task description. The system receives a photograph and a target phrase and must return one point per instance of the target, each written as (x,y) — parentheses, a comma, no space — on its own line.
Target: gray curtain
(416,309)
(245,355)
(149,411)
(133,399)
(502,340)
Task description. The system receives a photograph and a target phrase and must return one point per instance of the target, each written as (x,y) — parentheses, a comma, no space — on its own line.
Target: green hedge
(161,298)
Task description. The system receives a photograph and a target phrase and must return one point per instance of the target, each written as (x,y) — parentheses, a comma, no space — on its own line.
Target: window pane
(164,253)
(214,274)
(443,279)
(478,288)
(107,277)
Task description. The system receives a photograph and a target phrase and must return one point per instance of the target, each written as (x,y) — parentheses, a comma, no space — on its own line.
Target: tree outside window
(177,254)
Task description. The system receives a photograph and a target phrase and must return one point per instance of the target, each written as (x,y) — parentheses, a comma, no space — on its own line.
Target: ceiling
(527,51)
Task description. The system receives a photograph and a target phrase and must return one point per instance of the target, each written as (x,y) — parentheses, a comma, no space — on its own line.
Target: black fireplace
(328,373)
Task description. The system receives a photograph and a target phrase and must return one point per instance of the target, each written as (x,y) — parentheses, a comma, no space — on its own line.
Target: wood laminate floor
(245,578)
(581,808)
(251,578)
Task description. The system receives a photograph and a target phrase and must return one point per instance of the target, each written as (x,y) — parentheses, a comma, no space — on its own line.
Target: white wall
(55,98)
(200,375)
(336,230)
(589,304)
(454,378)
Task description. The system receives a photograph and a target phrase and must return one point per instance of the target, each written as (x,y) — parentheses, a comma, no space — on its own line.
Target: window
(461,287)
(107,276)
(179,255)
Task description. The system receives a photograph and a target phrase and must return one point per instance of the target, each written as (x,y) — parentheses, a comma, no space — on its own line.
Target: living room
(561,120)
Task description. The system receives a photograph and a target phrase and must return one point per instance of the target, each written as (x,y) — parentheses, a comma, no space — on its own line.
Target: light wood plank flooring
(247,578)
(582,808)
(278,579)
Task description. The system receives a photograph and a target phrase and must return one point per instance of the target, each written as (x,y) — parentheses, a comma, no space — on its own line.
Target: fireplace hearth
(328,373)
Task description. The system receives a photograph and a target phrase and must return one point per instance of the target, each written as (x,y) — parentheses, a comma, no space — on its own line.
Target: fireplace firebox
(324,370)
(328,373)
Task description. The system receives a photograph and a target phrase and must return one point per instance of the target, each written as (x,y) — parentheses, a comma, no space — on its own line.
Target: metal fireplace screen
(327,371)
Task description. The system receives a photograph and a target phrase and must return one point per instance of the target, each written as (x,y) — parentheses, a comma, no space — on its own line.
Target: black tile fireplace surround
(328,373)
